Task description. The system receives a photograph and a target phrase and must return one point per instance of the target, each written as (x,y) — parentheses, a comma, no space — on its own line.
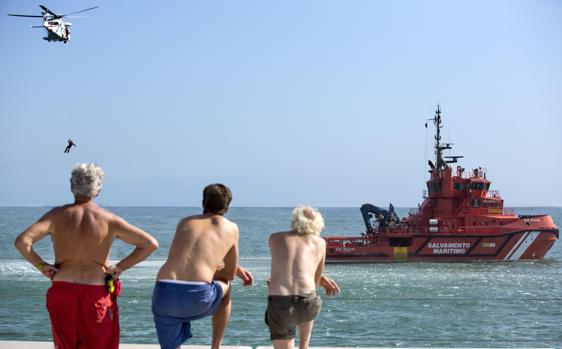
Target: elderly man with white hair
(297,263)
(82,300)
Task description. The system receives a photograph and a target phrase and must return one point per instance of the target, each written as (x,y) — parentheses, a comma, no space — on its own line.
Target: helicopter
(57,29)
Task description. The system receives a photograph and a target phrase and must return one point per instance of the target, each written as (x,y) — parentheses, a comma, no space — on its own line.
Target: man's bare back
(203,244)
(297,262)
(81,241)
(194,282)
(82,235)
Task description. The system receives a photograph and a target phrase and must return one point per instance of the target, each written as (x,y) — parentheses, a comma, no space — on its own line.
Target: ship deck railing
(470,174)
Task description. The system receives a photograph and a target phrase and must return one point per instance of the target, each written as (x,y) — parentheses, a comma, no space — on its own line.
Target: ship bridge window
(461,186)
(477,186)
(487,186)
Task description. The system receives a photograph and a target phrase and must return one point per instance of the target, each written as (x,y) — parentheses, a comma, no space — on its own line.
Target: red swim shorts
(83,316)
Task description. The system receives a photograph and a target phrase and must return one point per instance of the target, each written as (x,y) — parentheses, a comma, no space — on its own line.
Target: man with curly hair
(297,263)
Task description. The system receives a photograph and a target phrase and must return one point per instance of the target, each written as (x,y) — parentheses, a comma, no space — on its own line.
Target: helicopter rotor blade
(73,13)
(48,11)
(34,16)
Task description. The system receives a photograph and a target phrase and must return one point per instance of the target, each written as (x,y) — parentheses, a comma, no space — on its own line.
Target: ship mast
(440,162)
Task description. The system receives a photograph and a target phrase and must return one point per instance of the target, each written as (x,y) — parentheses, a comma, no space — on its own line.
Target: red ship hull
(519,245)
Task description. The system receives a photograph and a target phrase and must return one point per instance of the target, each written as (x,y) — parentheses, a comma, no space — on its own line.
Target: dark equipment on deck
(382,216)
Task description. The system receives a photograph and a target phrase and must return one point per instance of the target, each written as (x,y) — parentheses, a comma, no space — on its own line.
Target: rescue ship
(460,219)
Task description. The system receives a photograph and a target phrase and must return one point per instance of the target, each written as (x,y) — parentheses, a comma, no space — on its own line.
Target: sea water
(478,304)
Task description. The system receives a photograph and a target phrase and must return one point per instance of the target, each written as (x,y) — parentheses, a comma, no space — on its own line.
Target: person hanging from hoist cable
(69,145)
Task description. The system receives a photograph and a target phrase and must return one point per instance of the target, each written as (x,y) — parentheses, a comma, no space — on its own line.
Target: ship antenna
(441,164)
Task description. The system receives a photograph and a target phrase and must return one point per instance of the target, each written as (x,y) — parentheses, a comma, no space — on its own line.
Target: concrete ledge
(261,347)
(49,345)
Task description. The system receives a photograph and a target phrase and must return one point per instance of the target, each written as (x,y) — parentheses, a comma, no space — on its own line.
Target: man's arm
(24,244)
(144,244)
(245,275)
(330,285)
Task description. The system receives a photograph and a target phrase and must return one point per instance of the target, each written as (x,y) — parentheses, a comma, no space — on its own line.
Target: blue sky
(315,102)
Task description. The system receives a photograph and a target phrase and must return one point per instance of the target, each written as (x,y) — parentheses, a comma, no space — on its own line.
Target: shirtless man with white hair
(297,263)
(82,308)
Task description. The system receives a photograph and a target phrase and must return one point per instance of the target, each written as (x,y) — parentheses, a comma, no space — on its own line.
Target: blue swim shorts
(176,303)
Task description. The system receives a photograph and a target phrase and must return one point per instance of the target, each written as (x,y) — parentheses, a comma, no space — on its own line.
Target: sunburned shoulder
(320,240)
(280,235)
(58,210)
(231,227)
(185,221)
(61,211)
(220,220)
(202,219)
(309,238)
(99,211)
